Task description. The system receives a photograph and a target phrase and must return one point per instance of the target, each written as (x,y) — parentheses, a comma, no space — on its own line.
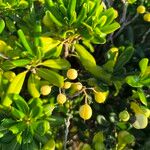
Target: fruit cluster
(141,10)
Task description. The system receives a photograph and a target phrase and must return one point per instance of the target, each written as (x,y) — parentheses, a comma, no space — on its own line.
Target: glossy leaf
(143,65)
(14,88)
(51,76)
(61,64)
(134,81)
(142,96)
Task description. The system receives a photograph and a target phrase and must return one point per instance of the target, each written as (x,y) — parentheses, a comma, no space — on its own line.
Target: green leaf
(7,65)
(51,76)
(14,88)
(13,144)
(110,28)
(2,25)
(21,62)
(143,65)
(118,86)
(35,102)
(48,44)
(145,80)
(21,103)
(48,109)
(124,57)
(109,13)
(36,111)
(134,81)
(17,113)
(84,55)
(88,45)
(55,52)
(142,96)
(24,41)
(98,137)
(17,128)
(131,1)
(61,64)
(7,122)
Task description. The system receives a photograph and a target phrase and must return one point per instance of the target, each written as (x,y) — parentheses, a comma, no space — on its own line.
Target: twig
(108,3)
(75,95)
(67,123)
(124,25)
(125,7)
(66,52)
(145,35)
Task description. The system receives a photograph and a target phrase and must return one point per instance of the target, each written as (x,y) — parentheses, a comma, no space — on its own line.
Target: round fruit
(141,121)
(100,97)
(61,98)
(141,9)
(67,85)
(85,112)
(77,86)
(9,75)
(45,90)
(147,17)
(72,74)
(124,115)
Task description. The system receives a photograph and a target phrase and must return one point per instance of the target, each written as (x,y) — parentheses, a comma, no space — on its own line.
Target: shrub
(74,74)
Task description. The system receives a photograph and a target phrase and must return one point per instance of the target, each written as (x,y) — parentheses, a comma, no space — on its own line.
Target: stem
(124,25)
(145,35)
(66,53)
(67,123)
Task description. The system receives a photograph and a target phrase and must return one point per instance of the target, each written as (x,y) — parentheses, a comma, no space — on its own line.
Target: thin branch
(124,25)
(125,7)
(67,123)
(145,35)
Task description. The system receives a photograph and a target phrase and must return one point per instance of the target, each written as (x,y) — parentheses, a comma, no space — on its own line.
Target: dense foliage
(74,74)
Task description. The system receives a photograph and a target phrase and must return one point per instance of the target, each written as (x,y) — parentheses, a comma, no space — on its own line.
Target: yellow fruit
(61,98)
(124,115)
(45,90)
(9,75)
(77,86)
(67,85)
(100,97)
(147,17)
(85,112)
(141,9)
(72,74)
(141,121)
